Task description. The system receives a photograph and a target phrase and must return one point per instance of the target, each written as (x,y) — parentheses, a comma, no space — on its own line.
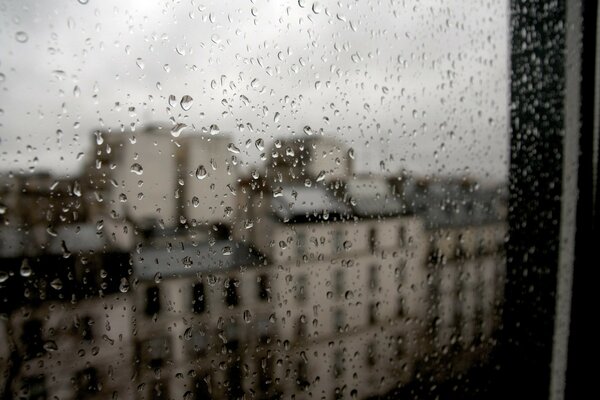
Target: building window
(231,295)
(202,390)
(34,388)
(338,283)
(301,327)
(338,319)
(301,288)
(159,390)
(373,280)
(300,244)
(400,347)
(372,240)
(87,382)
(338,240)
(199,299)
(265,373)
(152,300)
(402,236)
(32,339)
(302,374)
(372,313)
(338,364)
(371,354)
(83,326)
(401,307)
(264,288)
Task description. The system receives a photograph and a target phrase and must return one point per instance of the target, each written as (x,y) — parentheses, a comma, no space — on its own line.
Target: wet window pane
(252,199)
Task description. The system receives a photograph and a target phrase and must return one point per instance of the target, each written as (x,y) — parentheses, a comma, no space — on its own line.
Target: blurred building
(157,181)
(184,280)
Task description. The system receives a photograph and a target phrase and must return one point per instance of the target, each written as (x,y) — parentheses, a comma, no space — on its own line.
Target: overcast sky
(418,85)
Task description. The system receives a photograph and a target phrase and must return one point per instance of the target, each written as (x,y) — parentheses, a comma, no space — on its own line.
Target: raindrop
(347,245)
(56,284)
(214,130)
(140,63)
(186,102)
(3,276)
(172,100)
(233,148)
(77,189)
(227,251)
(187,335)
(278,192)
(260,144)
(195,201)
(50,345)
(247,316)
(124,285)
(65,250)
(21,37)
(137,169)
(25,270)
(177,129)
(157,277)
(351,153)
(321,176)
(308,130)
(316,8)
(200,174)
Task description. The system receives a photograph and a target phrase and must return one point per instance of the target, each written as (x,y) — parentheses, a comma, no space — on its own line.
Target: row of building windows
(339,239)
(199,301)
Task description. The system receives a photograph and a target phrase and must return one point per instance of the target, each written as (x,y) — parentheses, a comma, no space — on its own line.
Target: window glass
(256,199)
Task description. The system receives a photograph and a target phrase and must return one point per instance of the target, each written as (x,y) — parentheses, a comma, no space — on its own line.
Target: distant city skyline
(428,97)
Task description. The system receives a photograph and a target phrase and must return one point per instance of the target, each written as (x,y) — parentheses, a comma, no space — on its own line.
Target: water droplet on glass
(308,130)
(77,189)
(260,144)
(3,276)
(137,169)
(56,284)
(50,345)
(124,285)
(278,191)
(140,63)
(347,245)
(195,201)
(247,316)
(172,100)
(157,277)
(214,129)
(321,176)
(21,37)
(316,8)
(227,251)
(186,102)
(233,148)
(25,270)
(351,153)
(201,172)
(177,129)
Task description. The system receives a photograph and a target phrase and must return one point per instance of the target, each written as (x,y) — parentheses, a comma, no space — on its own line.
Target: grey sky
(419,85)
